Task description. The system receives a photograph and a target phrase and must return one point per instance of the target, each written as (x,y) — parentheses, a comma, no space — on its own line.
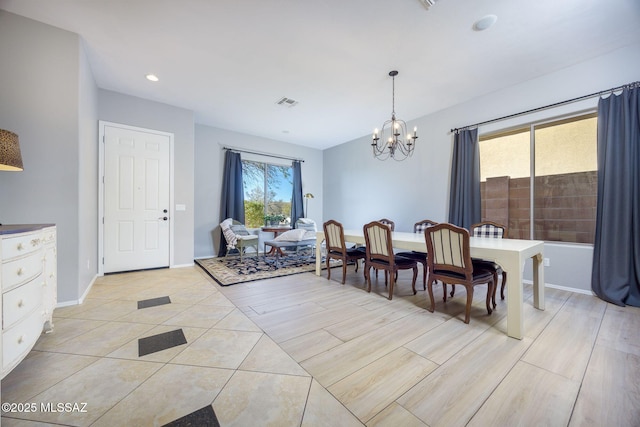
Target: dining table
(510,254)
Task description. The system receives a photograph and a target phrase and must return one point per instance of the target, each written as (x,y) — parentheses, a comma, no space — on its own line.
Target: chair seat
(418,256)
(486,264)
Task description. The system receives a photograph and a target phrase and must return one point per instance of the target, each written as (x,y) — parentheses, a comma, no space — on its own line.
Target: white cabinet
(29,289)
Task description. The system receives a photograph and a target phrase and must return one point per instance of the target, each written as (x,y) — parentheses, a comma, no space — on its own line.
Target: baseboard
(182,265)
(563,288)
(82,298)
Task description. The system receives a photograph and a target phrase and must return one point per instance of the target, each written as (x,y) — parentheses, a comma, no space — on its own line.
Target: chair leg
(491,292)
(391,282)
(424,276)
(415,276)
(453,290)
(495,287)
(444,291)
(430,289)
(367,276)
(327,259)
(467,309)
(344,270)
(504,282)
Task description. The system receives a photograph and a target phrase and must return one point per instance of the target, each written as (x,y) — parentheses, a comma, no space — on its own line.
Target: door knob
(165,211)
(164,218)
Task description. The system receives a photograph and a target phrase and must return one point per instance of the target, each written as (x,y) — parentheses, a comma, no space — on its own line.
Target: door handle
(164,218)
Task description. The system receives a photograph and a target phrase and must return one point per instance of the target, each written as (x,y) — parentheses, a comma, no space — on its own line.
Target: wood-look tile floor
(304,351)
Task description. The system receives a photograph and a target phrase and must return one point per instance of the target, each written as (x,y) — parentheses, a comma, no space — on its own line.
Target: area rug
(230,270)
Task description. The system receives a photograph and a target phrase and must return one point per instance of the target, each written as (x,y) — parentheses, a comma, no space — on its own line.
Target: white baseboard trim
(182,265)
(82,298)
(563,288)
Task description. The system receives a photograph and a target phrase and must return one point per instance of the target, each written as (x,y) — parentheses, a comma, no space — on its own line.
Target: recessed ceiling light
(152,77)
(485,22)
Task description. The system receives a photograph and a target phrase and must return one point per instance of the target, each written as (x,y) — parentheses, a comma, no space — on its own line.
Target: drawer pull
(21,339)
(20,304)
(35,242)
(20,271)
(19,247)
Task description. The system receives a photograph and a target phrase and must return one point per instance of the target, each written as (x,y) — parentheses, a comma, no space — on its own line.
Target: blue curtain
(616,251)
(464,200)
(297,206)
(232,200)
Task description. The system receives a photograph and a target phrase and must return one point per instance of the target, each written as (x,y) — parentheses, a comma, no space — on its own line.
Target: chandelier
(393,140)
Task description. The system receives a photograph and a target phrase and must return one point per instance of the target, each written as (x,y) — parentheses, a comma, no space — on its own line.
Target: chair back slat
(334,235)
(489,229)
(421,226)
(448,249)
(378,241)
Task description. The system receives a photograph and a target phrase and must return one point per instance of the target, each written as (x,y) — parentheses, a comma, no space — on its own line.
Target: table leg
(319,240)
(515,298)
(538,282)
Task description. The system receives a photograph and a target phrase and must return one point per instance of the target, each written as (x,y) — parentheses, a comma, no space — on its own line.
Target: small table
(278,245)
(275,229)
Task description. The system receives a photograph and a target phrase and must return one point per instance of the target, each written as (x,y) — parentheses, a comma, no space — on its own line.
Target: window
(267,191)
(559,203)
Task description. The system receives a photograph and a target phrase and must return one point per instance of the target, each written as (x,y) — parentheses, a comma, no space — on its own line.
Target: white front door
(136,199)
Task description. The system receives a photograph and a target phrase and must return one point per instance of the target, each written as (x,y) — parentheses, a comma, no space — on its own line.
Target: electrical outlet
(547,262)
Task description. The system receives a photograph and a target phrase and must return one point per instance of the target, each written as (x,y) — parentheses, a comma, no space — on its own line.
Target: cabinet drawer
(20,245)
(21,270)
(48,236)
(19,339)
(20,301)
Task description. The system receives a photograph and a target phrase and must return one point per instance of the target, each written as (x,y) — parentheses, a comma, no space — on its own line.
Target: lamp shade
(308,196)
(10,157)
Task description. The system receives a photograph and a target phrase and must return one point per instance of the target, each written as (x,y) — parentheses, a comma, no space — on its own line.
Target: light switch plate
(181,207)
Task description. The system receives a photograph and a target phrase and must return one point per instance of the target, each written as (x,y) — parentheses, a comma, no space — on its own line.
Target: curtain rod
(557,104)
(262,154)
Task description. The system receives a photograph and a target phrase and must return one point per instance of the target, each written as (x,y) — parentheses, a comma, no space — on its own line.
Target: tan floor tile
(369,390)
(108,310)
(395,415)
(345,359)
(103,339)
(130,350)
(549,398)
(100,385)
(460,386)
(154,315)
(309,345)
(65,330)
(169,394)
(39,371)
(267,356)
(610,392)
(236,320)
(256,398)
(323,409)
(620,328)
(191,295)
(219,349)
(199,316)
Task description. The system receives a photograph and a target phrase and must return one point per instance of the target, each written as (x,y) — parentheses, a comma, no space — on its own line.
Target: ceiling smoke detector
(287,102)
(428,3)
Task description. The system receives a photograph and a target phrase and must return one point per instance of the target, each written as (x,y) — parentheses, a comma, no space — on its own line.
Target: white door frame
(101,159)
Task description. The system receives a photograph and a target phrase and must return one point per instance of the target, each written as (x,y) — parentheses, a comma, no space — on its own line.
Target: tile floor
(303,351)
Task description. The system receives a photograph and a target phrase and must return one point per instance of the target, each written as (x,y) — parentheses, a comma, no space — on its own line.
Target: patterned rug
(230,271)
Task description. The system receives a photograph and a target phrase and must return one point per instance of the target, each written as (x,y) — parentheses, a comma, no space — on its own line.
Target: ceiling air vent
(287,102)
(428,3)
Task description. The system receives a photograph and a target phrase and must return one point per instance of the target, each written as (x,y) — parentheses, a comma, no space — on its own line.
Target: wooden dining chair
(337,248)
(449,260)
(379,255)
(388,223)
(490,229)
(421,257)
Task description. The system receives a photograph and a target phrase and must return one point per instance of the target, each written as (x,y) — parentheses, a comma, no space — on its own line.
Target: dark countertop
(22,228)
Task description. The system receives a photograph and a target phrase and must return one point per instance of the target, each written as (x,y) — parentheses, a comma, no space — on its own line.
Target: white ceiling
(231,61)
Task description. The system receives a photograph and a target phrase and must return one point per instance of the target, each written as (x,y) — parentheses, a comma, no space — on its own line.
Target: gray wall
(87,177)
(42,87)
(209,162)
(418,188)
(124,109)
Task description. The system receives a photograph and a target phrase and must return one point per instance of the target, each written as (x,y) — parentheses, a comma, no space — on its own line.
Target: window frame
(530,126)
